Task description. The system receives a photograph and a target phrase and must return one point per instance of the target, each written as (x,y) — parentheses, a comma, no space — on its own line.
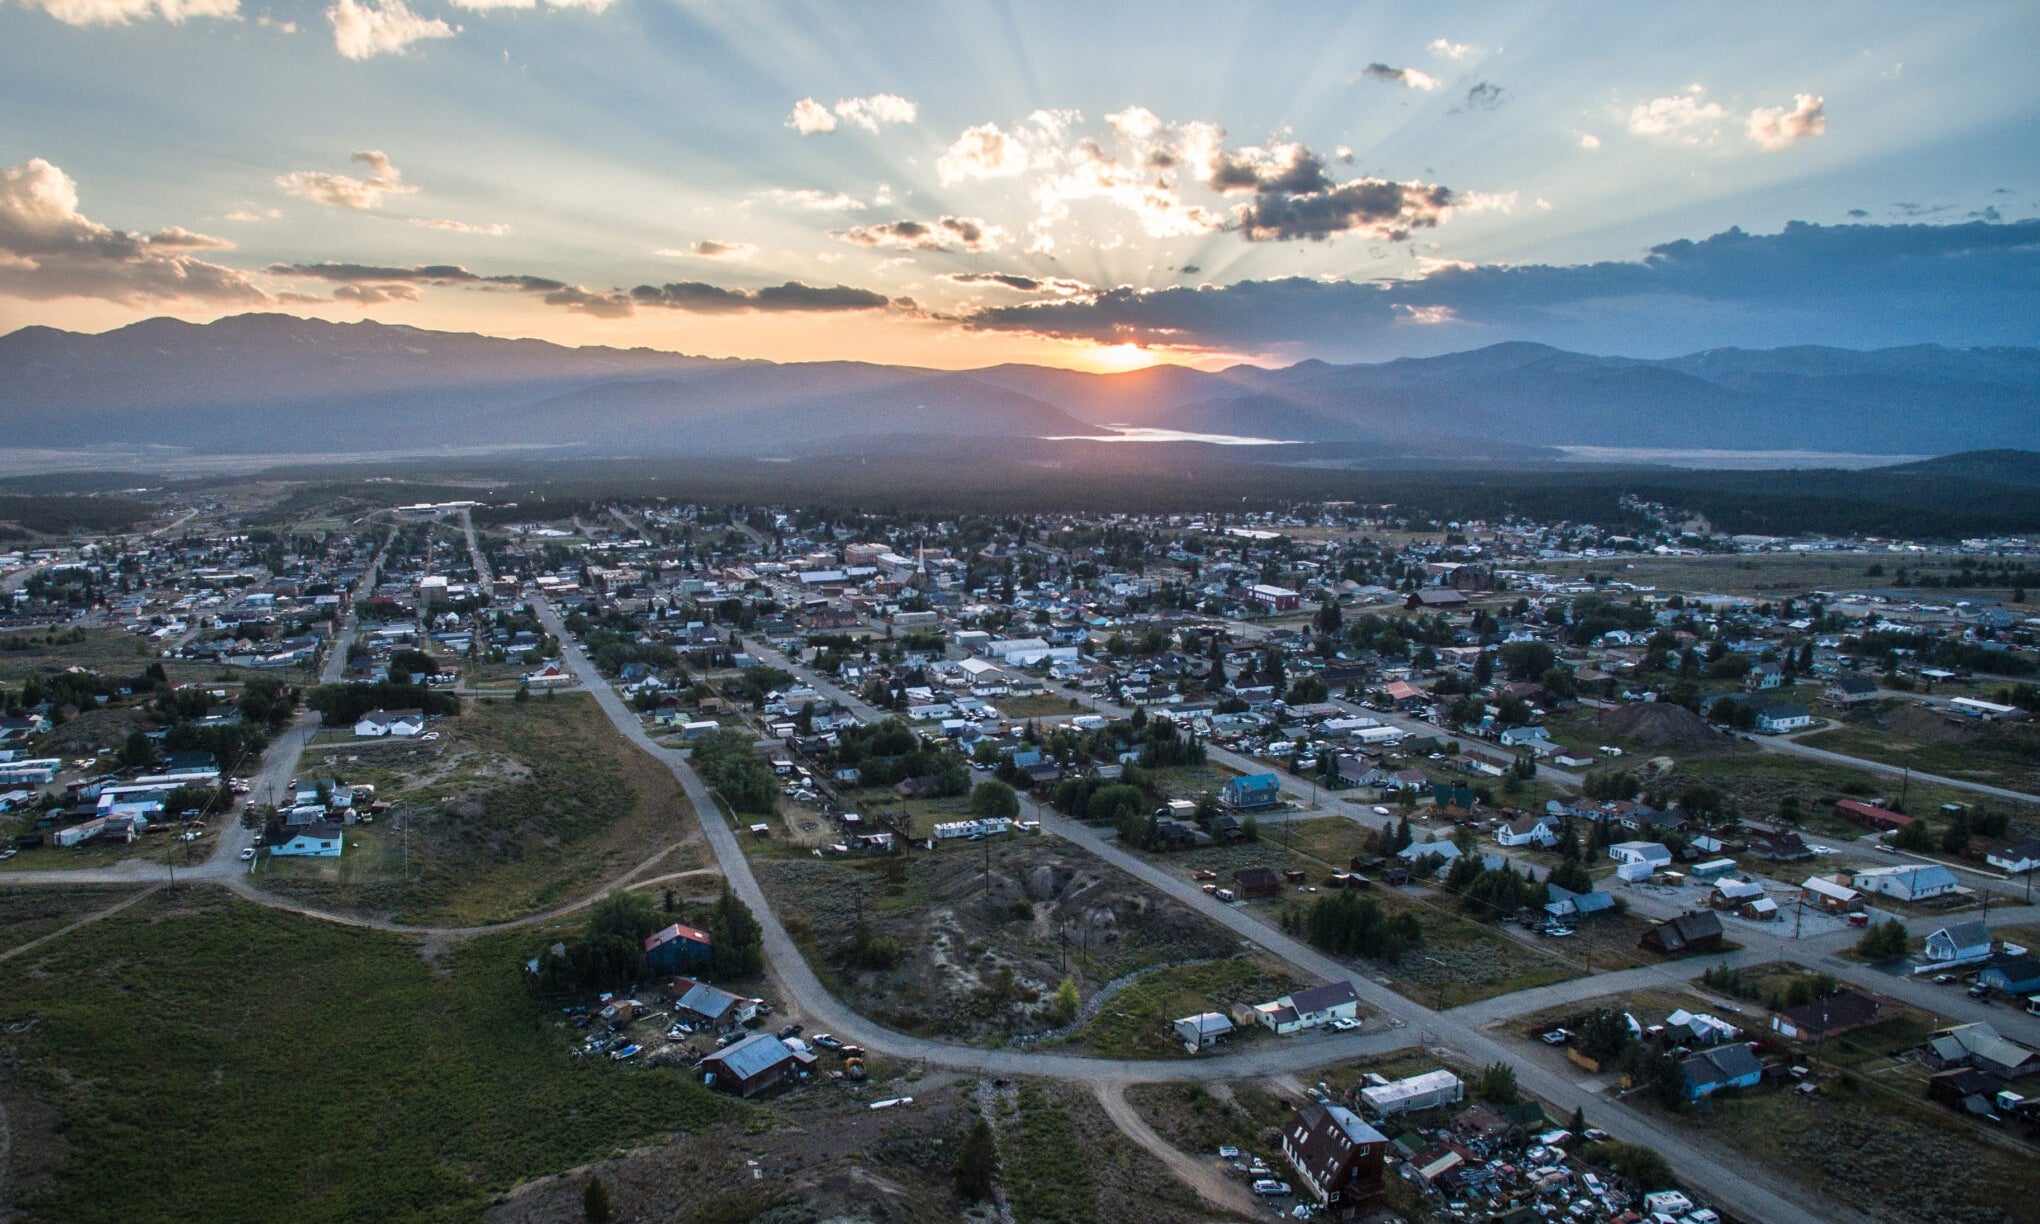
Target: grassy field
(524,806)
(1757,781)
(1135,1023)
(2006,755)
(267,1066)
(1768,575)
(25,653)
(28,914)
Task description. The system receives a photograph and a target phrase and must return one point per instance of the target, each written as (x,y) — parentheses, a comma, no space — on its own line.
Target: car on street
(1380,811)
(1944,979)
(1977,990)
(248,854)
(1268,1187)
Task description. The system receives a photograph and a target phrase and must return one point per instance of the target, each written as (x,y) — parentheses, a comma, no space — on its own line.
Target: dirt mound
(95,731)
(1662,724)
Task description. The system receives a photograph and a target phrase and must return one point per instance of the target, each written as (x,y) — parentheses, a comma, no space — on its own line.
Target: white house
(1777,719)
(1535,830)
(1909,883)
(1202,1031)
(1959,944)
(313,841)
(1516,737)
(400,723)
(1305,1009)
(1653,853)
(2017,859)
(549,676)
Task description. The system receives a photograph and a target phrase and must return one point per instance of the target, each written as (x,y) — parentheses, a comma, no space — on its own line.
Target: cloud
(694,296)
(345,191)
(122,12)
(1861,286)
(710,249)
(1859,213)
(1445,48)
(366,28)
(375,295)
(1060,285)
(807,199)
(254,215)
(1408,77)
(1778,127)
(1300,203)
(1589,141)
(493,229)
(48,249)
(483,6)
(969,233)
(982,152)
(1482,96)
(1686,118)
(789,298)
(811,118)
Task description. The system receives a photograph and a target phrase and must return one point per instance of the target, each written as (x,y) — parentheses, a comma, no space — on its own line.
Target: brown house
(1825,1018)
(1253,882)
(1699,931)
(1337,1157)
(751,1065)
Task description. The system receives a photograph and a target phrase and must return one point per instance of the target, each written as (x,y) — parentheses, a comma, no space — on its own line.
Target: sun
(1116,358)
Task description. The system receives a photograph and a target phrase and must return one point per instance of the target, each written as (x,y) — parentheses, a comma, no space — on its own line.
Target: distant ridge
(276,384)
(2005,467)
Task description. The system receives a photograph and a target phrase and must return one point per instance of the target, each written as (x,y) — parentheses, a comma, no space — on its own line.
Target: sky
(1101,186)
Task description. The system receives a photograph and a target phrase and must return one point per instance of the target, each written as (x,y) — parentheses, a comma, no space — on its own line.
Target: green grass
(2007,756)
(28,914)
(1045,1167)
(1135,1023)
(215,1061)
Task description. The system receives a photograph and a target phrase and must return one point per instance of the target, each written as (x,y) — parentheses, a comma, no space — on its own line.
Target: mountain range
(276,384)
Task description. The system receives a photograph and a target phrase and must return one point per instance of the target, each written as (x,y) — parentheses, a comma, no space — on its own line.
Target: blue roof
(754,1055)
(1265,781)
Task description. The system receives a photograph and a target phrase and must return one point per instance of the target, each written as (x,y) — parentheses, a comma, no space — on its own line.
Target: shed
(1426,1091)
(750,1066)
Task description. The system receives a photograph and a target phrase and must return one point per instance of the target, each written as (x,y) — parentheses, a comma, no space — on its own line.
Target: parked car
(629,1051)
(247,854)
(791,1030)
(827,1042)
(851,1051)
(1343,1025)
(1228,1152)
(1944,979)
(1270,1188)
(1557,1036)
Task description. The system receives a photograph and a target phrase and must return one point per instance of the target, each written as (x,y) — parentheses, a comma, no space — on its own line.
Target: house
(1535,830)
(386,723)
(1959,943)
(2016,859)
(1966,1089)
(1726,1066)
(1699,1027)
(1914,882)
(1782,847)
(1698,931)
(318,840)
(1656,854)
(1825,1018)
(1359,771)
(1782,717)
(1426,1091)
(1338,1158)
(2011,974)
(1256,882)
(703,1004)
(1832,896)
(1250,792)
(1850,689)
(677,947)
(1202,1031)
(1565,903)
(1733,894)
(1486,764)
(1764,676)
(1517,737)
(1870,814)
(552,675)
(745,1068)
(1980,1046)
(1434,599)
(1305,1009)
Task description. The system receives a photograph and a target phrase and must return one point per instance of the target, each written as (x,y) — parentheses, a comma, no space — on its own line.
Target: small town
(1332,861)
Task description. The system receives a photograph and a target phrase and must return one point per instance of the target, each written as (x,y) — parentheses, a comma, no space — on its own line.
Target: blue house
(677,948)
(2012,975)
(1724,1066)
(1250,791)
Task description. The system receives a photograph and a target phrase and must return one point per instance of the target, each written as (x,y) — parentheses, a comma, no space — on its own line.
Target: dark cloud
(1859,213)
(968,232)
(1483,96)
(1375,206)
(1409,78)
(1190,269)
(1853,285)
(1020,284)
(791,297)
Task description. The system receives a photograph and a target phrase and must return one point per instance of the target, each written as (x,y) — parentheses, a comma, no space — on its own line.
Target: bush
(1885,941)
(977,1164)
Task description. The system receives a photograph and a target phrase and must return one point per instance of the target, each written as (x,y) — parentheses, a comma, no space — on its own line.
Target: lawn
(1135,1022)
(270,1066)
(524,806)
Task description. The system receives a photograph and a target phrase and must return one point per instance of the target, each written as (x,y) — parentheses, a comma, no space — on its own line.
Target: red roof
(1867,813)
(676,931)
